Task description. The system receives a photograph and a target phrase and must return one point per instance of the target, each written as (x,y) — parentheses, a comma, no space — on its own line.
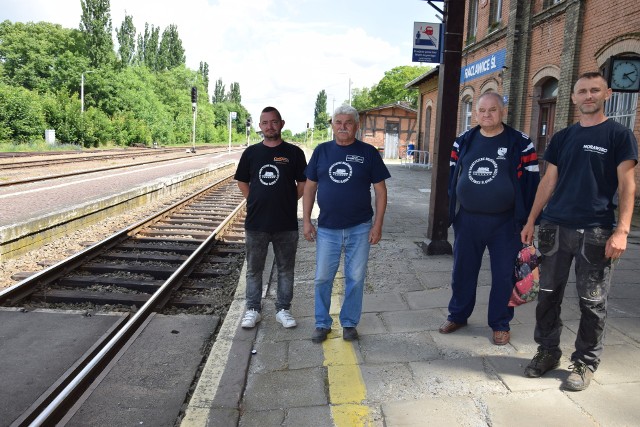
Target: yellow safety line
(346,386)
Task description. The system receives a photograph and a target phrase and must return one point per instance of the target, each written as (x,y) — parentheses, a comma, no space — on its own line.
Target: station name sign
(486,65)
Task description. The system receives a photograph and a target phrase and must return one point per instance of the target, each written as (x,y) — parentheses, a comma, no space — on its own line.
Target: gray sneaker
(580,377)
(542,362)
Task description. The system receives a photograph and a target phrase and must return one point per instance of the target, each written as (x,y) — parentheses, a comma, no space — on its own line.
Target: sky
(281,52)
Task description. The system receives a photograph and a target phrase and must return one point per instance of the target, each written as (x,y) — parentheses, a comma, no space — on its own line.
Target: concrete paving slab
(551,408)
(383,301)
(630,327)
(619,365)
(304,354)
(469,342)
(436,411)
(398,347)
(371,324)
(308,416)
(164,358)
(430,298)
(458,377)
(286,389)
(389,381)
(37,348)
(610,405)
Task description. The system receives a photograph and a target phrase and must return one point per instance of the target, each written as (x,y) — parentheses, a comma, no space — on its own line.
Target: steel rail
(22,289)
(76,386)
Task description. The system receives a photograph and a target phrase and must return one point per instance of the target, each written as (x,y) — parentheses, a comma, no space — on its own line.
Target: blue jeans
(329,245)
(473,233)
(285,244)
(559,247)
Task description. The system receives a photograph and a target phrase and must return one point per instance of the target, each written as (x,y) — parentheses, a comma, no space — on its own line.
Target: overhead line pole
(446,125)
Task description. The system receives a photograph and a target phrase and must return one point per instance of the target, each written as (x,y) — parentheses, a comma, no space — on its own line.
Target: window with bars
(622,107)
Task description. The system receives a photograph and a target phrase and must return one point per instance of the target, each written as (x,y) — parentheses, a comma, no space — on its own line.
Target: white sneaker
(285,317)
(251,317)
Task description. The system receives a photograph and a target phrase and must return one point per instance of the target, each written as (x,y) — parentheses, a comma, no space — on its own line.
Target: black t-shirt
(485,184)
(272,174)
(587,159)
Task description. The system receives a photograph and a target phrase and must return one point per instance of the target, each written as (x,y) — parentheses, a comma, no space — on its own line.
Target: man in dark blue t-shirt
(271,178)
(492,183)
(341,172)
(589,174)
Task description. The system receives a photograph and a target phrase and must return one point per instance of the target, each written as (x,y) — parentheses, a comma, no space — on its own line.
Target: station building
(531,52)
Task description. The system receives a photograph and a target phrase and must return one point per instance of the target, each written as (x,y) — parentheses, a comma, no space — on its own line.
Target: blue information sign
(486,65)
(427,46)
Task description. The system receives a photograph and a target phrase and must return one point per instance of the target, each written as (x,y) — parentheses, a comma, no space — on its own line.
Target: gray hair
(493,94)
(347,109)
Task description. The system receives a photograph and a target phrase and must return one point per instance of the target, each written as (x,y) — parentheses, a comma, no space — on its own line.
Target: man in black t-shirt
(271,177)
(588,163)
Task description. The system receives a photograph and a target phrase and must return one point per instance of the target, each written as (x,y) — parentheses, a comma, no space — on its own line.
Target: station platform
(402,371)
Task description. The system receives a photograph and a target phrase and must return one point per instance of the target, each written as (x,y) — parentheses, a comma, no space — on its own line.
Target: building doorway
(546,118)
(391,133)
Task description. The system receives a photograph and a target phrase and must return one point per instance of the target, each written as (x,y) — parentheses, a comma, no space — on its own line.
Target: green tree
(95,23)
(148,45)
(391,88)
(170,52)
(21,117)
(234,93)
(41,56)
(126,35)
(361,99)
(320,116)
(218,92)
(204,73)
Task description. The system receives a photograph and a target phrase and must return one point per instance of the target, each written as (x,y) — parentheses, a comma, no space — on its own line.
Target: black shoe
(580,377)
(542,362)
(349,333)
(319,335)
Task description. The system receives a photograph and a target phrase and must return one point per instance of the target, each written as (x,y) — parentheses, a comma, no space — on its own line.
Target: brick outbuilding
(390,128)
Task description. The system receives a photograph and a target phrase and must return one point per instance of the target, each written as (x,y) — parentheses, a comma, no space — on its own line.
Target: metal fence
(416,158)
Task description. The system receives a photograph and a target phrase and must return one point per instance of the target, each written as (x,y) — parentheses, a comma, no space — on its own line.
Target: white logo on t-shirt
(483,170)
(268,174)
(340,172)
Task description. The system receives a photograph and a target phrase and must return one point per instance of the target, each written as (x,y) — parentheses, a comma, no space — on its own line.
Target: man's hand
(375,234)
(309,231)
(526,235)
(616,245)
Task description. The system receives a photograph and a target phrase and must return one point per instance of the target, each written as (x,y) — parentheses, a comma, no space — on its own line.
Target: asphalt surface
(402,371)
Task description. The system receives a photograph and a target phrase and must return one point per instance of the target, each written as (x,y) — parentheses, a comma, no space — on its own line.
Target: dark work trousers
(559,247)
(473,234)
(285,244)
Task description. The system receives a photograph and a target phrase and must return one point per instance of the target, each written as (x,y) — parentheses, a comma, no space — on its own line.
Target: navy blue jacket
(525,170)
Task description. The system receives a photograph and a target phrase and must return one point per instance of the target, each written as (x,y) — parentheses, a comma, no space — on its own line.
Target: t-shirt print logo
(340,172)
(501,152)
(483,170)
(268,174)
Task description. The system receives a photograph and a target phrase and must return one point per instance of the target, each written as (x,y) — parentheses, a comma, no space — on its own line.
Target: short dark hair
(591,75)
(272,109)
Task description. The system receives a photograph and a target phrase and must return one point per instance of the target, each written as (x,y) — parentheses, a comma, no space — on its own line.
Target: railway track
(53,162)
(7,163)
(175,261)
